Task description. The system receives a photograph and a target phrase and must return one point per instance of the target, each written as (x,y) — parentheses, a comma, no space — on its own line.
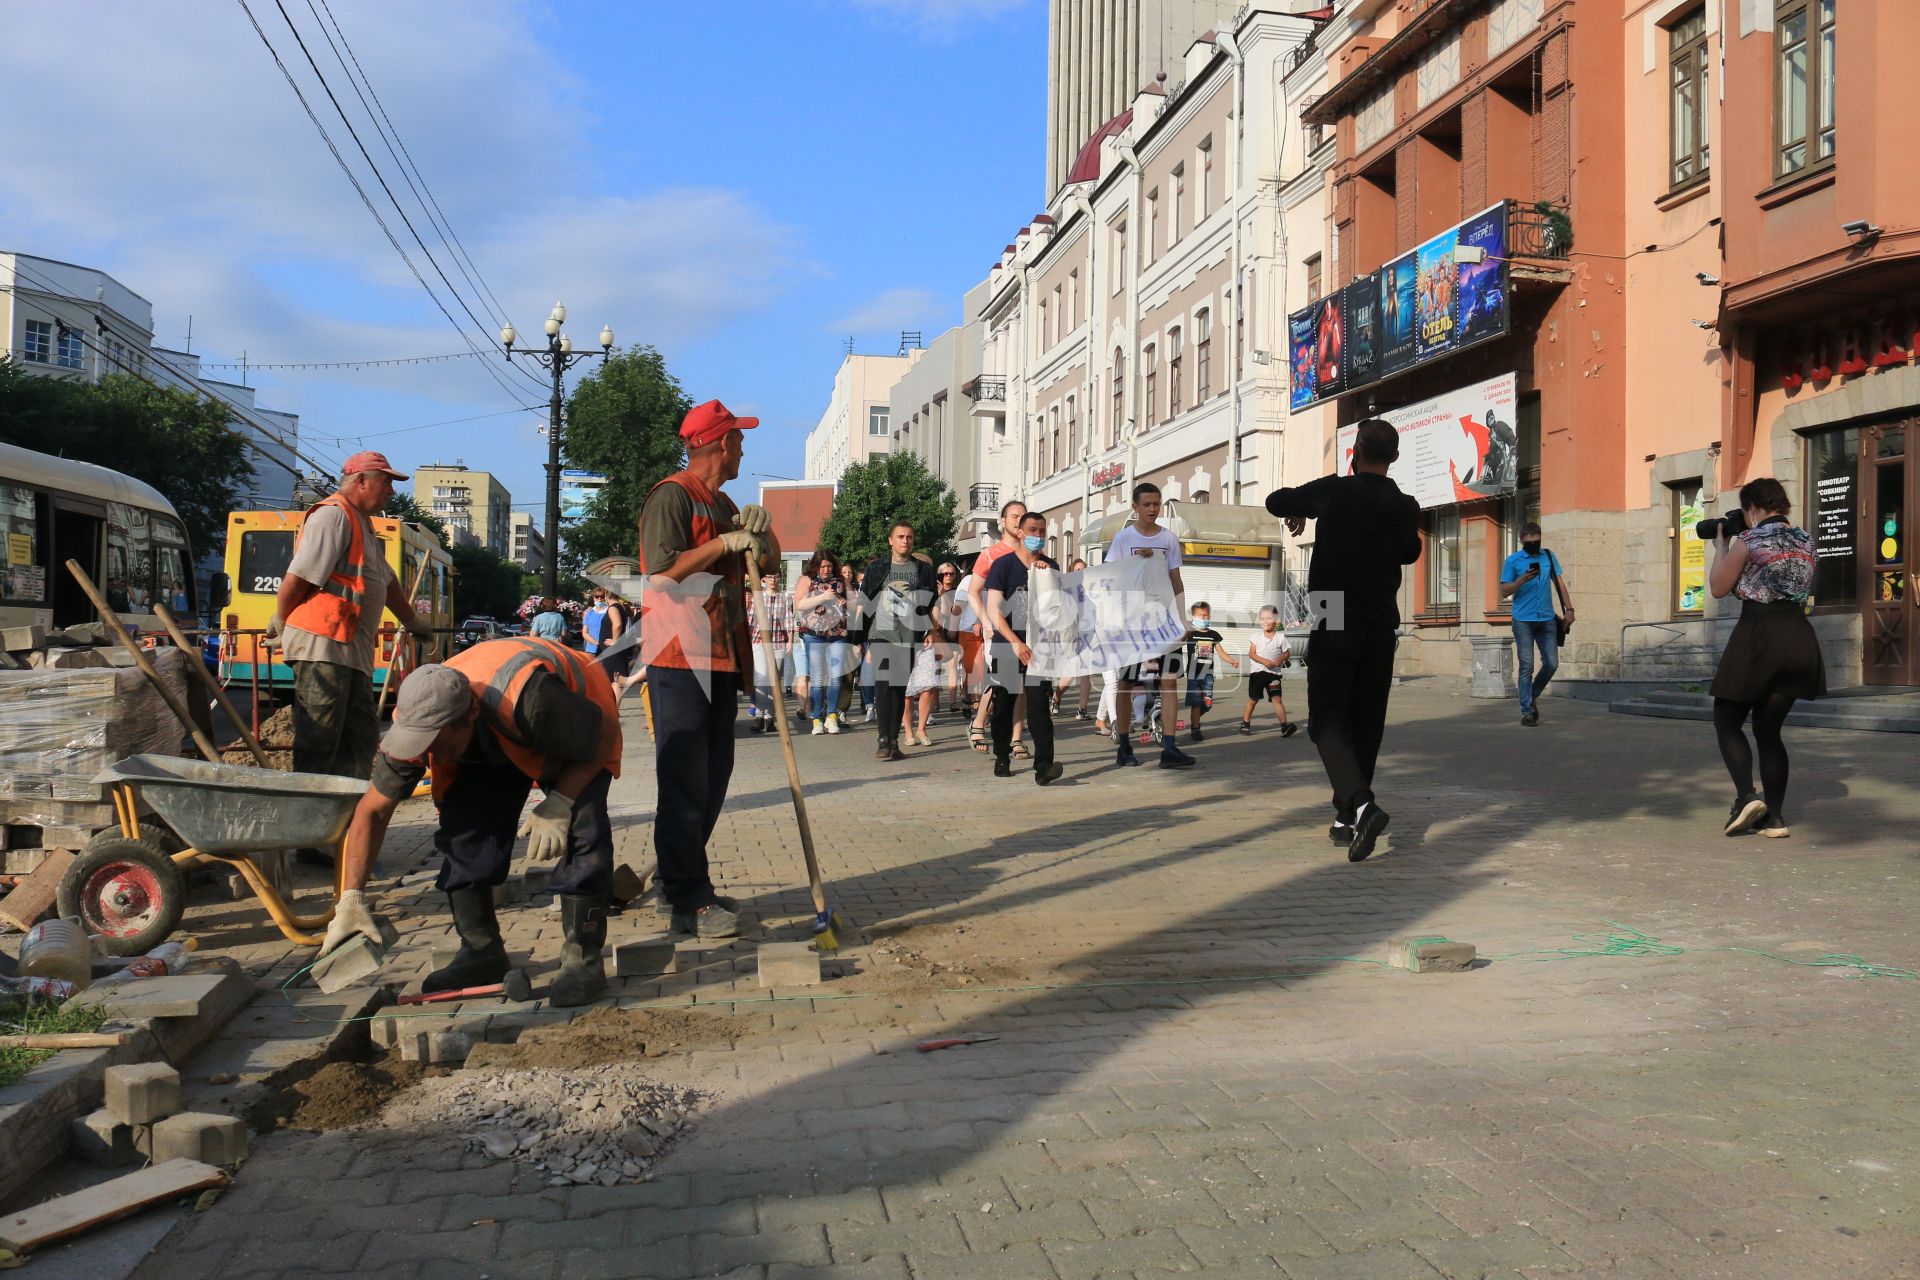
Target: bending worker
(492,722)
(327,620)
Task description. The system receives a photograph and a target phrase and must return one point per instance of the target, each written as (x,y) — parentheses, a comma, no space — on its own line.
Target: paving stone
(142,1093)
(1512,1248)
(789,964)
(101,1139)
(644,957)
(803,1246)
(202,1136)
(1150,1252)
(352,963)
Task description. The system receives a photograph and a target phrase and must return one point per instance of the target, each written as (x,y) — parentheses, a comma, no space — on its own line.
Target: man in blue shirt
(1523,580)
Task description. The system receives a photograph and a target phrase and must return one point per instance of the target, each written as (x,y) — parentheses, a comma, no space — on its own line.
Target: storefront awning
(1200,522)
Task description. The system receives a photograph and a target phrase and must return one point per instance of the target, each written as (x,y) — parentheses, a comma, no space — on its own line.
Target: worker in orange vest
(491,722)
(327,620)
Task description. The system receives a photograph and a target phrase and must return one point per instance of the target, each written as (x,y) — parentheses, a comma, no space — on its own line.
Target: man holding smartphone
(1523,579)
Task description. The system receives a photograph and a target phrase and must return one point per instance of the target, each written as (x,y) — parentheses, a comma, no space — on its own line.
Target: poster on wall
(1462,446)
(1690,571)
(1399,282)
(1360,302)
(1482,288)
(1329,330)
(1303,352)
(1439,289)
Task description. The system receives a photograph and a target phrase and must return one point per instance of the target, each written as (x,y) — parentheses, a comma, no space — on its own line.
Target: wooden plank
(67,1040)
(33,898)
(181,995)
(65,1216)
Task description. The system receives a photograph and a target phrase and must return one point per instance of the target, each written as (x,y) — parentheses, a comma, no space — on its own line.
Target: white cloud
(942,17)
(893,309)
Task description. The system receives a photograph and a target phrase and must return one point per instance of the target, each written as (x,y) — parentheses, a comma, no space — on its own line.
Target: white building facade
(857,425)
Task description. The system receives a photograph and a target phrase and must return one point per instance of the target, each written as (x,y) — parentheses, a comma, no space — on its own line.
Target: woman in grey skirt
(1773,657)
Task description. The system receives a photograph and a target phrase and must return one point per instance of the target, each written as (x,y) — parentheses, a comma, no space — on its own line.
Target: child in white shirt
(1270,652)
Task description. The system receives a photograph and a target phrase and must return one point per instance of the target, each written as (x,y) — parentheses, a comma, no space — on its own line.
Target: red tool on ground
(928,1046)
(515,987)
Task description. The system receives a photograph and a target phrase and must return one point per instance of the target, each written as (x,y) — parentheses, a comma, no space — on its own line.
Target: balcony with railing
(983,499)
(1538,230)
(989,392)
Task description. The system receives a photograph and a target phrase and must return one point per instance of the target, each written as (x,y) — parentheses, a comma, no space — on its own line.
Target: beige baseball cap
(432,698)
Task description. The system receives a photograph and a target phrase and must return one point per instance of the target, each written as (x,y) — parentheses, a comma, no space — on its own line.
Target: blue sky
(742,185)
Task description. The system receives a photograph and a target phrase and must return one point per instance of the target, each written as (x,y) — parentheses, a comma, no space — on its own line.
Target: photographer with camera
(1523,579)
(1773,656)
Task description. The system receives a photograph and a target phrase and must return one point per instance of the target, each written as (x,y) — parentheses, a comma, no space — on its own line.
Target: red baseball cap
(369,460)
(707,422)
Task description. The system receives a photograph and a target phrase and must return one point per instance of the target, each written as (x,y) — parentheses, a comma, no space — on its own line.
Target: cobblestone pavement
(1202,1063)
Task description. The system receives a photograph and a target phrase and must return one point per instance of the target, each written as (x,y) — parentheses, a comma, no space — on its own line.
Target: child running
(1270,652)
(1204,645)
(1145,536)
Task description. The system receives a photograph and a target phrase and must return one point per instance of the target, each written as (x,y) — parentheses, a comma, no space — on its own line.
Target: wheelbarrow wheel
(127,892)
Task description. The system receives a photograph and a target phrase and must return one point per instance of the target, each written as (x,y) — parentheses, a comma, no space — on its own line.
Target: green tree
(403,506)
(181,444)
(484,584)
(623,420)
(875,494)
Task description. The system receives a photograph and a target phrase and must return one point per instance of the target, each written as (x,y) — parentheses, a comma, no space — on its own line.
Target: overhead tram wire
(186,381)
(340,364)
(366,200)
(390,137)
(488,331)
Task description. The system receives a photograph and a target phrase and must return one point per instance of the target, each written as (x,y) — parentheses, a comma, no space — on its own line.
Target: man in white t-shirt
(1145,536)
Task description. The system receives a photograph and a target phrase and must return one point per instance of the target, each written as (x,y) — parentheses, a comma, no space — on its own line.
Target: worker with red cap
(694,548)
(327,620)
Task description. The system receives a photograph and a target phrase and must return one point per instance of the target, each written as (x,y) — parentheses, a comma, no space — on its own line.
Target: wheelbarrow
(129,888)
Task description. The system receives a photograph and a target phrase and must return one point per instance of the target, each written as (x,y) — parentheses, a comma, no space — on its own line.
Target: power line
(340,364)
(365,199)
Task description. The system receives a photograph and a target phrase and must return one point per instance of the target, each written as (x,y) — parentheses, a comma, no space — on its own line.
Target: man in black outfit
(1367,529)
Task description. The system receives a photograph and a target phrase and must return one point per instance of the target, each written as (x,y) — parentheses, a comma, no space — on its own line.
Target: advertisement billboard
(1303,356)
(1360,303)
(1483,284)
(1398,324)
(1438,291)
(1460,446)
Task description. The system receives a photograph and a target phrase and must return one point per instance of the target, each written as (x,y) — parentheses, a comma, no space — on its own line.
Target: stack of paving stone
(142,1121)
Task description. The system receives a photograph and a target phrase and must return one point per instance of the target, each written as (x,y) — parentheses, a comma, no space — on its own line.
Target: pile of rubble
(606,1125)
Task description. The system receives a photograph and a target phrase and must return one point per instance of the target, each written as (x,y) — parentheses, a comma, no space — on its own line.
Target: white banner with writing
(1103,618)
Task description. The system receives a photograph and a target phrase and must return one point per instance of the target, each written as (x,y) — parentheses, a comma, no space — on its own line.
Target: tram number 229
(265,585)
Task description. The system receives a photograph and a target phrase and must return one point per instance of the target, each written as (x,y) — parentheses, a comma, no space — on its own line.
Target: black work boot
(482,957)
(583,974)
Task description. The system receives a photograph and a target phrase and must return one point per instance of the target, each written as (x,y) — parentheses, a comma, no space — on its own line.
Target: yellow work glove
(271,640)
(547,826)
(754,518)
(350,917)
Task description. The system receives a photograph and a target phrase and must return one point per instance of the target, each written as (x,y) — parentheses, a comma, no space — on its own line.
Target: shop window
(1832,504)
(20,520)
(1442,527)
(1803,85)
(1689,566)
(1687,99)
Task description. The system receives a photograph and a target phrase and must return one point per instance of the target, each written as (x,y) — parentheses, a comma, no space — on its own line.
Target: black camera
(1734,522)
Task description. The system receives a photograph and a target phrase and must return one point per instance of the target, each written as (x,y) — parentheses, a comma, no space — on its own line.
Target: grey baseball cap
(432,698)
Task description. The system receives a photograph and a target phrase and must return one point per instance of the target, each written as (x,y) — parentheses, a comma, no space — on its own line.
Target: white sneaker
(869,717)
(818,728)
(833,724)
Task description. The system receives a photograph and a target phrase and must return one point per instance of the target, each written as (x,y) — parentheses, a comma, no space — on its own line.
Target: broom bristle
(826,932)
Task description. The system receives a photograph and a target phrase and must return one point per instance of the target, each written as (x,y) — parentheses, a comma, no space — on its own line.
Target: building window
(1151,249)
(1119,256)
(1073,300)
(1040,331)
(1375,117)
(1314,283)
(1523,504)
(1058,461)
(1119,398)
(1687,106)
(877,419)
(1202,355)
(1179,202)
(1073,433)
(70,355)
(1442,526)
(39,344)
(1150,360)
(1206,175)
(1176,354)
(1803,102)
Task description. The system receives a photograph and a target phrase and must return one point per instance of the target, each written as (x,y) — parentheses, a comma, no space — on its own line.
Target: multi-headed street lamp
(557,358)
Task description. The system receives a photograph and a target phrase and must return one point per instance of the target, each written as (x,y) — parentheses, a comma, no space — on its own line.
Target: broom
(827,925)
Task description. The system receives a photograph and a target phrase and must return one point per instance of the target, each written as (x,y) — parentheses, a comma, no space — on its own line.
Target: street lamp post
(558,357)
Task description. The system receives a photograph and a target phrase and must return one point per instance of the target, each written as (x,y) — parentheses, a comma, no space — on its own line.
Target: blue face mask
(1033,543)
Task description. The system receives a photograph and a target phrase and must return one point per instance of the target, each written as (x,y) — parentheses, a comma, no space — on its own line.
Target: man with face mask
(1007,609)
(1523,580)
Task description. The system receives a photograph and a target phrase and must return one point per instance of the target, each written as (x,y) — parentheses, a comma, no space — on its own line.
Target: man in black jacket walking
(1367,529)
(891,623)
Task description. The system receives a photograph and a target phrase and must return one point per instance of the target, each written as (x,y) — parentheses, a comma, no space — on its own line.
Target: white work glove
(271,640)
(547,826)
(738,540)
(420,629)
(350,917)
(754,518)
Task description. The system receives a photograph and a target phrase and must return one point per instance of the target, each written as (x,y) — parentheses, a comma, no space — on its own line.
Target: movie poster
(1361,302)
(1483,285)
(1438,287)
(1399,281)
(1303,349)
(1330,329)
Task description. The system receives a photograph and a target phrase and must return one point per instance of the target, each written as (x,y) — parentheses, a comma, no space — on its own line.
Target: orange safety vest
(726,648)
(498,671)
(334,610)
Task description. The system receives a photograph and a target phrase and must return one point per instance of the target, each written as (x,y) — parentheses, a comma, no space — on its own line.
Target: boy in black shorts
(1269,652)
(1204,645)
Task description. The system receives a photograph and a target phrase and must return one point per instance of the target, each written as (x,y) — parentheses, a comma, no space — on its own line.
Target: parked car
(475,630)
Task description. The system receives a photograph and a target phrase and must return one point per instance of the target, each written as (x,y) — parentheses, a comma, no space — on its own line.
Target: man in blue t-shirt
(1523,580)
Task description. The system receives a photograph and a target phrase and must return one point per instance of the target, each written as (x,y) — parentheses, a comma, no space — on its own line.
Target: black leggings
(1729,722)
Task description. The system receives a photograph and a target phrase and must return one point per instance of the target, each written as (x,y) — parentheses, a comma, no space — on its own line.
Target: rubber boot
(482,957)
(583,974)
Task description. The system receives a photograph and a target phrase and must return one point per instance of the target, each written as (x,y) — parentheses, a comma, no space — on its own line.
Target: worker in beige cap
(327,620)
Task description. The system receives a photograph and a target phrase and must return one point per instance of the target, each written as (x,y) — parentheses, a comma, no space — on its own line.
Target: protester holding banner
(1366,530)
(1008,609)
(1145,537)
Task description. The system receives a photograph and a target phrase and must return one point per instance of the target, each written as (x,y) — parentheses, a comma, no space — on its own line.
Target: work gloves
(420,629)
(739,541)
(547,826)
(754,518)
(350,917)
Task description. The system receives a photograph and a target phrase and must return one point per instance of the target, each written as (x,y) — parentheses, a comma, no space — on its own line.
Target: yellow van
(259,548)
